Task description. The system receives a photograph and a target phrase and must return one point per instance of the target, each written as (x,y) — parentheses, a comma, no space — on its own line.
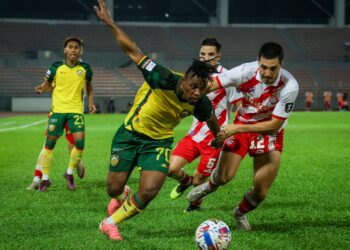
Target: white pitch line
(22,126)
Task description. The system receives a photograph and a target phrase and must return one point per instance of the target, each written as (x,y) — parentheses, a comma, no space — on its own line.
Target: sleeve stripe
(139,63)
(218,81)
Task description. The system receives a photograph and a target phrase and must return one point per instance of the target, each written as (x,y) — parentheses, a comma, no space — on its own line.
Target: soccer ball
(213,234)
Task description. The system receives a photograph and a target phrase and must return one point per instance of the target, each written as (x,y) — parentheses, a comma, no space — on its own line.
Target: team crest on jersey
(52,127)
(114,160)
(289,107)
(274,98)
(185,113)
(79,72)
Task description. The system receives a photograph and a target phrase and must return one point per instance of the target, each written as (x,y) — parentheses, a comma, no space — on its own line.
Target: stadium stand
(337,79)
(237,43)
(21,68)
(133,74)
(106,83)
(322,44)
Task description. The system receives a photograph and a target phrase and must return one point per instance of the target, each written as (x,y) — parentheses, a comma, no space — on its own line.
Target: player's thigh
(76,123)
(151,182)
(176,164)
(228,165)
(266,167)
(154,155)
(233,151)
(55,124)
(185,151)
(124,148)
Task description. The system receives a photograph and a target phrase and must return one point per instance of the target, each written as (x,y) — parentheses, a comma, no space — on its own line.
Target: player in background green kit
(145,138)
(70,77)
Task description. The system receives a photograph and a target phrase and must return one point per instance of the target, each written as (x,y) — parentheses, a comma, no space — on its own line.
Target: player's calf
(114,204)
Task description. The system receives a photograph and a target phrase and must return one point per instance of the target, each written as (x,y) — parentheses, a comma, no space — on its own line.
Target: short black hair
(271,50)
(202,69)
(211,41)
(73,38)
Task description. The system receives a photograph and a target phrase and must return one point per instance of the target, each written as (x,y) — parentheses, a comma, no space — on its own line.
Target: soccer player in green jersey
(70,77)
(146,135)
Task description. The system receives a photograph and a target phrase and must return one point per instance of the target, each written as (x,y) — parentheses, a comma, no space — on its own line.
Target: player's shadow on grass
(156,234)
(286,226)
(286,204)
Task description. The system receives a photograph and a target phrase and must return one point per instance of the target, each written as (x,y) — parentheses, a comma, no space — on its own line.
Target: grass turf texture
(308,205)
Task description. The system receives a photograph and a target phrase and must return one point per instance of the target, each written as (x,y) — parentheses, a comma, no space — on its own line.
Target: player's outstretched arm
(214,127)
(44,87)
(124,41)
(267,127)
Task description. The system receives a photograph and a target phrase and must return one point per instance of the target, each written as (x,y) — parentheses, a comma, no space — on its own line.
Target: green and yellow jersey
(67,96)
(158,107)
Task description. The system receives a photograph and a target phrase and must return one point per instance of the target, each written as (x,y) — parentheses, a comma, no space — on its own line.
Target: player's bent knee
(146,195)
(173,172)
(79,144)
(114,191)
(50,142)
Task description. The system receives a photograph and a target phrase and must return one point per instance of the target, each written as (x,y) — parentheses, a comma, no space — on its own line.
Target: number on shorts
(78,120)
(211,163)
(257,143)
(165,151)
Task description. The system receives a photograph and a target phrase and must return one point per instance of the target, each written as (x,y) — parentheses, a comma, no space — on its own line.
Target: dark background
(247,11)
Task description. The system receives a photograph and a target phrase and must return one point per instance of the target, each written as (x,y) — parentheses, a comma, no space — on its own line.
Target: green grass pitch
(308,206)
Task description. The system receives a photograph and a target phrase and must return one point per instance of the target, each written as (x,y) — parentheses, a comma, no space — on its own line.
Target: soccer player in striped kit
(269,94)
(197,142)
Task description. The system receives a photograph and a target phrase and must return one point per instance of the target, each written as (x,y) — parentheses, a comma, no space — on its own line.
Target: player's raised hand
(103,13)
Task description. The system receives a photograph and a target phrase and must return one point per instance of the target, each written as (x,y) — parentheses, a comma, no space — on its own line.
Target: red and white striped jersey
(260,101)
(222,100)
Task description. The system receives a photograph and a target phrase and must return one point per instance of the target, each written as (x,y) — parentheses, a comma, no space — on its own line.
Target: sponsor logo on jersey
(144,65)
(289,107)
(114,160)
(79,72)
(150,66)
(274,98)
